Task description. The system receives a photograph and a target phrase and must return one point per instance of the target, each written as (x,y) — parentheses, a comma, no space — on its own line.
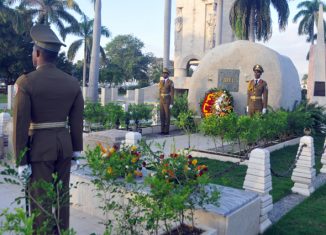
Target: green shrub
(114,113)
(180,105)
(94,113)
(139,112)
(186,122)
(274,125)
(316,115)
(297,121)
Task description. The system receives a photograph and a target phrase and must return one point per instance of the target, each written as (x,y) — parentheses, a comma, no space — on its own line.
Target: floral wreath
(218,102)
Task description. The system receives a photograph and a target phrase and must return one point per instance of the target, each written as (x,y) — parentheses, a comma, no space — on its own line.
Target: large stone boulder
(280,74)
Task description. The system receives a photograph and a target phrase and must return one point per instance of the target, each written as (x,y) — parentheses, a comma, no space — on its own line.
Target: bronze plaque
(319,89)
(228,79)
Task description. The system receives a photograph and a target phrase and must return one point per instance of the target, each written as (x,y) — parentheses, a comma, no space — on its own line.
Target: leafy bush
(186,122)
(180,105)
(94,113)
(274,125)
(139,112)
(209,127)
(114,113)
(316,115)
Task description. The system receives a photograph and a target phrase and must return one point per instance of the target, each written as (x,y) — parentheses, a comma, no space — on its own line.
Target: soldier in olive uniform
(257,93)
(48,120)
(166,91)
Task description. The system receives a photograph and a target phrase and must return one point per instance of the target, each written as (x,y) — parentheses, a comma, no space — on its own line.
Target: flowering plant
(179,168)
(218,102)
(179,184)
(114,162)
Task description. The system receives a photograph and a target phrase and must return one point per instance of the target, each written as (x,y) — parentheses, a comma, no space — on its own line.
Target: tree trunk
(95,56)
(251,26)
(85,65)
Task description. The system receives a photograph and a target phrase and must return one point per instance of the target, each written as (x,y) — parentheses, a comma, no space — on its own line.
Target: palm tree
(51,11)
(94,66)
(4,10)
(20,18)
(85,32)
(309,15)
(252,18)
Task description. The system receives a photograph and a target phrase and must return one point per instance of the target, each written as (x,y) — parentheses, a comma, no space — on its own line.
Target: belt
(46,125)
(255,97)
(165,94)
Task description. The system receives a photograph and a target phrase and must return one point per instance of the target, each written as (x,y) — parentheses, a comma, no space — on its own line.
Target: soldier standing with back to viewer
(48,120)
(166,92)
(257,93)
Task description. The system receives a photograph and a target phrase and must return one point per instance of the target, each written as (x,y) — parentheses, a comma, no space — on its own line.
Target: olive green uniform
(257,96)
(166,91)
(48,95)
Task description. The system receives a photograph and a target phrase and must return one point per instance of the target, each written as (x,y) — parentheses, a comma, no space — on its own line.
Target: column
(219,22)
(167,29)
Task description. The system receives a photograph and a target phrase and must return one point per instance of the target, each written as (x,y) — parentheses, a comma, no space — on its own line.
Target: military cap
(258,67)
(165,70)
(45,38)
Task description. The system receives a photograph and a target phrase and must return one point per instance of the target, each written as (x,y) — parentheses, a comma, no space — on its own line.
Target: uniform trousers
(43,171)
(165,116)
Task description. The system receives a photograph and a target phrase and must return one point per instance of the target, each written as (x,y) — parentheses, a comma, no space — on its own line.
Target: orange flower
(112,150)
(103,150)
(171,173)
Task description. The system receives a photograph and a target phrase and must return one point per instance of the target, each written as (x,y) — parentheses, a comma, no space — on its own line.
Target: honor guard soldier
(257,93)
(48,122)
(166,92)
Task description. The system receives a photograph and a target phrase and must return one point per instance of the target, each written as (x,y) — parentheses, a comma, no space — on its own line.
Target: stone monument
(317,65)
(229,66)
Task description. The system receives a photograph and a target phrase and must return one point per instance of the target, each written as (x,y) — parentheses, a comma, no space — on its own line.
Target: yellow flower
(194,162)
(164,171)
(138,173)
(134,159)
(133,148)
(109,170)
(111,150)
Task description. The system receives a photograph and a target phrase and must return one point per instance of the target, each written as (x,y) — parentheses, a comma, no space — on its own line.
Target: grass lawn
(308,218)
(3,98)
(280,162)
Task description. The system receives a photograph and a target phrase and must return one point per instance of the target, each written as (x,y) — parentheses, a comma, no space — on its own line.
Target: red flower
(162,156)
(173,155)
(189,156)
(144,164)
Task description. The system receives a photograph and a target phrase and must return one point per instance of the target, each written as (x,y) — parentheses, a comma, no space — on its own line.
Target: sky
(144,19)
